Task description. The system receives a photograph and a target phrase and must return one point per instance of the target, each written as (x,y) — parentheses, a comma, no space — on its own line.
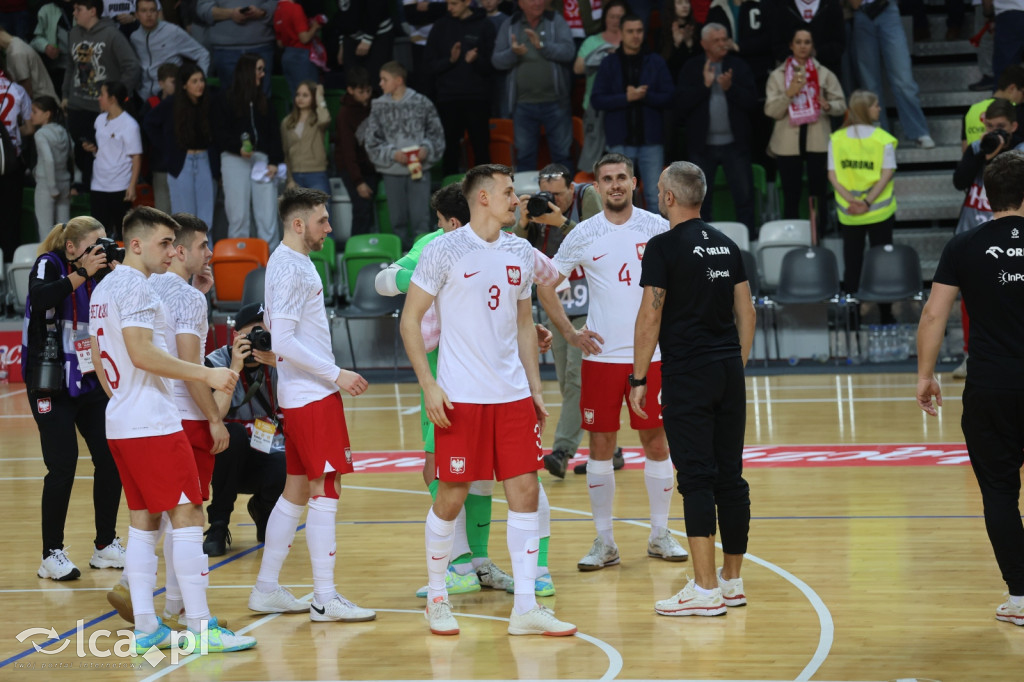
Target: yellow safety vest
(858,166)
(974,120)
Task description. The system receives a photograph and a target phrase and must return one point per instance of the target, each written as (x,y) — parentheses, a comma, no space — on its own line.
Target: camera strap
(253,391)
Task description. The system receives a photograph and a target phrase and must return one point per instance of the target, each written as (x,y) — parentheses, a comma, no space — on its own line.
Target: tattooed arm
(645,340)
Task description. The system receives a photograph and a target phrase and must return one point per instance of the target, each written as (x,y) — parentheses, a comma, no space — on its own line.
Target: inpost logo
(125,646)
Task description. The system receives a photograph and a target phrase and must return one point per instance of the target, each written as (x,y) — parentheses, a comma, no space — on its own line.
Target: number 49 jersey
(610,255)
(478,286)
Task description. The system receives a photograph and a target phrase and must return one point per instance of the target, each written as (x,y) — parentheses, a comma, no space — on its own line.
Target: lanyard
(74,302)
(253,391)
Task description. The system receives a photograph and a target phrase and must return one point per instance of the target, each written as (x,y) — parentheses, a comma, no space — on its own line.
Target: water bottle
(246,144)
(793,361)
(904,343)
(892,349)
(874,343)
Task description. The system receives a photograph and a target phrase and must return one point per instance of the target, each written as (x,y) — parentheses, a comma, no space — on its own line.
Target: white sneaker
(57,566)
(732,591)
(689,602)
(278,601)
(439,614)
(926,142)
(539,621)
(1010,612)
(961,371)
(599,556)
(339,609)
(493,577)
(111,556)
(666,547)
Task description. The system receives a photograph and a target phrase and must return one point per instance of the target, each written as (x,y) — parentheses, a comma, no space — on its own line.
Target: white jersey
(15,109)
(142,403)
(610,255)
(478,286)
(294,292)
(185,313)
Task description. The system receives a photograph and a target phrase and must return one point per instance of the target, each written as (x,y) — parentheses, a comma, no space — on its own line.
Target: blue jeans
(1009,40)
(193,190)
(882,39)
(297,68)
(735,160)
(557,122)
(649,161)
(316,180)
(223,61)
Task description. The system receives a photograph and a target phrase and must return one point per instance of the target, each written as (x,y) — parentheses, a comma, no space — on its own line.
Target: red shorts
(316,435)
(486,442)
(155,471)
(198,434)
(605,385)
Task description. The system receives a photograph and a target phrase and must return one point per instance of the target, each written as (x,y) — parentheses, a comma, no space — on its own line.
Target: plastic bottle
(246,144)
(874,344)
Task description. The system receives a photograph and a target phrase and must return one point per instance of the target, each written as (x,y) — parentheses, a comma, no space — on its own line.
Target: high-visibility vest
(974,120)
(858,166)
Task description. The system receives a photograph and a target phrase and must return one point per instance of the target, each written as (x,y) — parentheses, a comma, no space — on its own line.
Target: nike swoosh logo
(600,257)
(597,486)
(204,573)
(532,551)
(467,275)
(667,489)
(483,525)
(321,610)
(438,558)
(332,553)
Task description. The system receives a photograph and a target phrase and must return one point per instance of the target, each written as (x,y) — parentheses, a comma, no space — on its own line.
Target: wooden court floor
(875,568)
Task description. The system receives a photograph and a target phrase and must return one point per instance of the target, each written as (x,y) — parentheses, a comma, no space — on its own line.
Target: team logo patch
(457,465)
(640,250)
(43,405)
(588,416)
(515,275)
(348,455)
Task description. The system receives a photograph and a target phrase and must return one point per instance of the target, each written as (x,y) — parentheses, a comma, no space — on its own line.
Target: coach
(696,305)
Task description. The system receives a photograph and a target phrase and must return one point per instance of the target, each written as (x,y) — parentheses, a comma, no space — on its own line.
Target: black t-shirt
(698,267)
(987,264)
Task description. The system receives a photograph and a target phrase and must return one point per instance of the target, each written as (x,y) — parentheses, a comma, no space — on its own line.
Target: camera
(48,378)
(259,338)
(990,142)
(537,205)
(109,247)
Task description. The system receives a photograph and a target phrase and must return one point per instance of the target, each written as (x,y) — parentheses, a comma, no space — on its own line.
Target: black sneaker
(986,84)
(259,517)
(218,538)
(556,462)
(618,461)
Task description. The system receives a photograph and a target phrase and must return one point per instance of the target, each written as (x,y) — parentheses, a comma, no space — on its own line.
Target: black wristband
(82,272)
(634,382)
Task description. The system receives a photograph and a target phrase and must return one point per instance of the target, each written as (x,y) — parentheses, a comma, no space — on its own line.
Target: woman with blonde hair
(302,138)
(55,342)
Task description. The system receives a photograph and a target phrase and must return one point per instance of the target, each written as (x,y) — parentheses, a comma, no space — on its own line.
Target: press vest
(858,166)
(974,120)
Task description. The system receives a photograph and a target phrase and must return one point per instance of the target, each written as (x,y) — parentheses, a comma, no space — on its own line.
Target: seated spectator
(680,35)
(824,19)
(633,87)
(1010,87)
(50,38)
(159,42)
(25,67)
(538,85)
(588,60)
(302,138)
(295,34)
(350,158)
(254,460)
(403,137)
(238,27)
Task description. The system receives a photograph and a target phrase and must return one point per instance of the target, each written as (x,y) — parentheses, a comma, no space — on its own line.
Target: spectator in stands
(50,38)
(588,60)
(350,157)
(248,137)
(237,28)
(15,14)
(123,13)
(98,52)
(17,112)
(118,152)
(1009,33)
(861,165)
(53,155)
(161,42)
(499,105)
(152,148)
(364,34)
(302,138)
(633,87)
(716,98)
(824,19)
(802,96)
(680,34)
(984,41)
(295,34)
(458,59)
(419,17)
(538,86)
(878,37)
(403,137)
(25,67)
(1010,87)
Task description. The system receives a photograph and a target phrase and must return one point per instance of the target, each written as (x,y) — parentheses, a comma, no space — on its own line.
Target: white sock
(702,591)
(140,569)
(1016,600)
(658,477)
(193,569)
(172,594)
(601,482)
(440,538)
(523,547)
(280,533)
(543,512)
(320,539)
(461,545)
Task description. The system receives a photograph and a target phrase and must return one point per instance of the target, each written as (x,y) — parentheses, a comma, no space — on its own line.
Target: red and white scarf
(804,108)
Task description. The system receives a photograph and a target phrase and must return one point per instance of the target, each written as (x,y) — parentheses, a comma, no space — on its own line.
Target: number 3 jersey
(142,403)
(478,286)
(610,255)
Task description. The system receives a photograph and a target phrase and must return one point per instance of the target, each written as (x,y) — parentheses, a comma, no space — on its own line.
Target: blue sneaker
(542,586)
(161,639)
(455,583)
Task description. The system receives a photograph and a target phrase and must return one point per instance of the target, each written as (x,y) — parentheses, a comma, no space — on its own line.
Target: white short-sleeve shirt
(15,108)
(186,313)
(116,141)
(610,255)
(142,403)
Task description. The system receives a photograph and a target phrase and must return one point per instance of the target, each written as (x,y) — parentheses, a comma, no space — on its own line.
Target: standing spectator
(716,98)
(1009,33)
(458,59)
(15,114)
(633,87)
(878,36)
(302,138)
(823,18)
(1010,87)
(499,105)
(123,12)
(350,157)
(15,15)
(98,53)
(680,35)
(802,95)
(245,131)
(50,39)
(536,45)
(153,146)
(159,42)
(295,34)
(237,28)
(419,18)
(53,160)
(118,152)
(588,60)
(364,34)
(403,123)
(25,67)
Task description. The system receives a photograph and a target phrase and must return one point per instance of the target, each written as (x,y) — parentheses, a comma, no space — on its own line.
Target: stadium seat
(382,214)
(503,141)
(368,249)
(809,275)
(232,260)
(18,273)
(737,232)
(891,273)
(324,261)
(368,304)
(777,238)
(253,289)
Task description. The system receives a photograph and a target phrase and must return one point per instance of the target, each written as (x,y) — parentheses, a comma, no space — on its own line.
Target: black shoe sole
(555,465)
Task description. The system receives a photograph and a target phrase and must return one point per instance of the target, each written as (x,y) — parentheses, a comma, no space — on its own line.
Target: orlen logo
(1008,277)
(994,251)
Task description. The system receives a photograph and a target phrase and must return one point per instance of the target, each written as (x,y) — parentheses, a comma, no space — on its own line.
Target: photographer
(64,392)
(254,460)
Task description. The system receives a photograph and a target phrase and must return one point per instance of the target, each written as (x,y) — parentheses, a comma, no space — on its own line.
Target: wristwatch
(634,382)
(82,272)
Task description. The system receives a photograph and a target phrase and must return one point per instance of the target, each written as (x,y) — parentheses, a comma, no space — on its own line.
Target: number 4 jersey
(142,403)
(610,255)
